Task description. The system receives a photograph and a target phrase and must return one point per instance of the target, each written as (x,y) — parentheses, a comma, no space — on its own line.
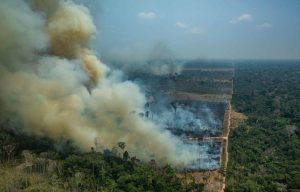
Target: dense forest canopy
(265,150)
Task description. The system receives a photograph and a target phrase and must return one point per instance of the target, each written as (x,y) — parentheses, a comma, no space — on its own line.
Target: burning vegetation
(54,86)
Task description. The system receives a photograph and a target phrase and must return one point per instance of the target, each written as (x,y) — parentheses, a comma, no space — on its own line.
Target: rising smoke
(186,120)
(56,86)
(160,60)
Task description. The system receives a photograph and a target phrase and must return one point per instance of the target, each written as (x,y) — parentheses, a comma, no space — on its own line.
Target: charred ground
(192,105)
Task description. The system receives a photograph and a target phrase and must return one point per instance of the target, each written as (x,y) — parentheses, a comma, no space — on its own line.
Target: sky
(207,29)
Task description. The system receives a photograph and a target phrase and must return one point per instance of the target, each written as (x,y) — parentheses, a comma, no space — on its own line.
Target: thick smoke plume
(56,85)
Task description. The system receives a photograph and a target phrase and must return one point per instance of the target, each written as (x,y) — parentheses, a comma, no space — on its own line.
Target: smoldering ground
(190,119)
(54,83)
(187,119)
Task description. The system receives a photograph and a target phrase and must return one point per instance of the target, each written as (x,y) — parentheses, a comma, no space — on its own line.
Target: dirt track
(214,181)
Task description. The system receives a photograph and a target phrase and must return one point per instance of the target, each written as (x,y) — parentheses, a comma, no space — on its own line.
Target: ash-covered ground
(208,155)
(186,118)
(195,121)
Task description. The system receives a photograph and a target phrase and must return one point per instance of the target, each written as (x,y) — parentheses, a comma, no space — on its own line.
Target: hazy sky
(208,29)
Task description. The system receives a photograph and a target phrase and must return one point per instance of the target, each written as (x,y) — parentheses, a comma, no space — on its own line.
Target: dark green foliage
(94,171)
(265,150)
(122,145)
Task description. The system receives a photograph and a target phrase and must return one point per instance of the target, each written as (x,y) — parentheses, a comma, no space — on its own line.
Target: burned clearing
(198,122)
(191,119)
(209,155)
(194,122)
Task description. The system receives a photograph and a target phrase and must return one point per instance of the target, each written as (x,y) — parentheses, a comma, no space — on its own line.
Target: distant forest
(265,150)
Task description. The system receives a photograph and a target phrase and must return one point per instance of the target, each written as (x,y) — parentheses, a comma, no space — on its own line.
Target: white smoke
(198,119)
(159,60)
(186,120)
(54,83)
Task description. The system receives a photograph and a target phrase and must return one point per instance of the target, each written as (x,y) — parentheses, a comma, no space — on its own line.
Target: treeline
(32,163)
(265,150)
